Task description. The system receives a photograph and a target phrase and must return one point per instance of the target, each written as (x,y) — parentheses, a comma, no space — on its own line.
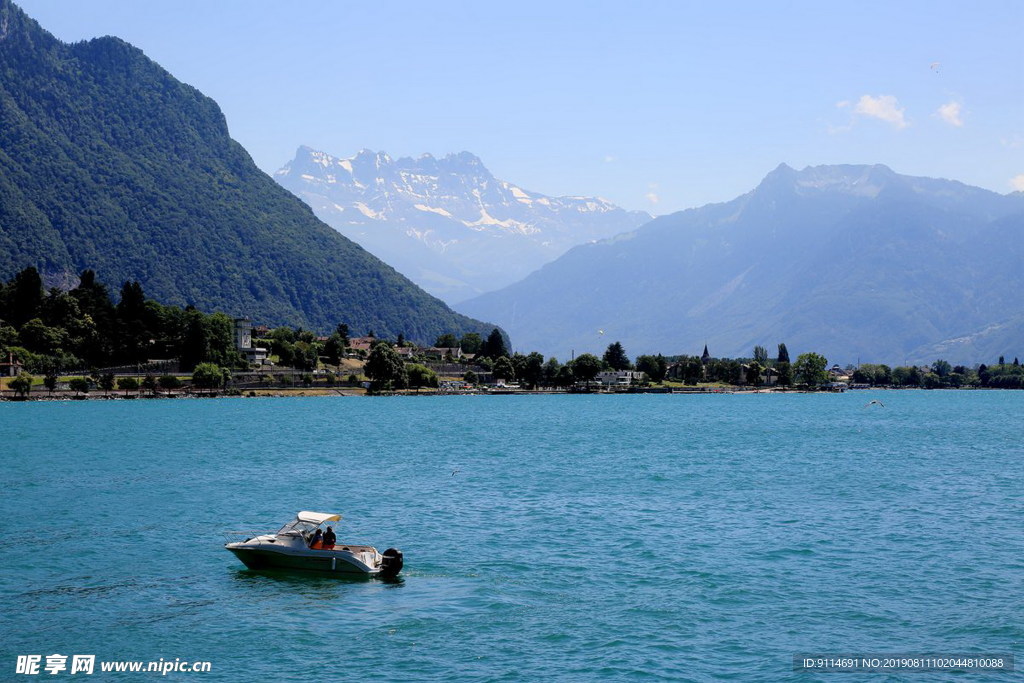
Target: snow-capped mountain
(448,224)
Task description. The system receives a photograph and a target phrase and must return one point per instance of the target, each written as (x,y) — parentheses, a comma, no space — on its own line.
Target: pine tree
(783,354)
(494,347)
(761,355)
(342,331)
(615,357)
(25,297)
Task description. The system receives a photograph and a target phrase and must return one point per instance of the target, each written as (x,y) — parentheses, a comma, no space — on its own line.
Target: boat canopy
(317,517)
(305,522)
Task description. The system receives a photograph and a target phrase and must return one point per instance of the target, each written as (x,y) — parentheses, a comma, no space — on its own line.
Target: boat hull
(295,548)
(325,562)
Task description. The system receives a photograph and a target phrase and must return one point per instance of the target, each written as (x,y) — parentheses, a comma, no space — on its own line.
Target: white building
(243,342)
(619,378)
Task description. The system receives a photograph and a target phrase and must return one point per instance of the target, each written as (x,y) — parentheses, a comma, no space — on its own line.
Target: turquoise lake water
(580,537)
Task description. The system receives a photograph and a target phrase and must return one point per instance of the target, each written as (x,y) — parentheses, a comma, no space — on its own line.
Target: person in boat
(330,538)
(317,541)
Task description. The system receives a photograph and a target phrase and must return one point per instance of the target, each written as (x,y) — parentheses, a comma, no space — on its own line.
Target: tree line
(941,374)
(533,370)
(54,331)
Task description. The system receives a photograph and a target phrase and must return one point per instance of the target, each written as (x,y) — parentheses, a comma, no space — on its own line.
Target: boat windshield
(297,527)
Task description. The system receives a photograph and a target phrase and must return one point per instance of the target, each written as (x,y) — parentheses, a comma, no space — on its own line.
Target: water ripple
(633,537)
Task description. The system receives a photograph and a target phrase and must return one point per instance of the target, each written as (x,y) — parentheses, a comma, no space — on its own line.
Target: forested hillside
(109,163)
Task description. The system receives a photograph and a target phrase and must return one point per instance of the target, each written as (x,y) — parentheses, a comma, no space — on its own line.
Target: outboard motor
(391,563)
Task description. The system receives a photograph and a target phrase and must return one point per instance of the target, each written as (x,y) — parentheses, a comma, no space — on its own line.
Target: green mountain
(107,162)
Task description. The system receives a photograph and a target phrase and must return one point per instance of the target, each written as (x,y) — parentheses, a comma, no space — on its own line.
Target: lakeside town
(284,361)
(78,344)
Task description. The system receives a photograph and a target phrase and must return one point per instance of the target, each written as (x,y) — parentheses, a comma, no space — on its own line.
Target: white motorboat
(290,549)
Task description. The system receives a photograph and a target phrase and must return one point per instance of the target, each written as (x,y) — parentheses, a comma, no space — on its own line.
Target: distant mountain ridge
(107,162)
(856,262)
(447,223)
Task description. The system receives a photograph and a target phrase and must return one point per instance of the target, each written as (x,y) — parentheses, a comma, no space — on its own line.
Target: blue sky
(654,105)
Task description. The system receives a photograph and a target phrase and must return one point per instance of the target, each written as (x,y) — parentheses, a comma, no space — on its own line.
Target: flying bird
(934,66)
(874,401)
(454,472)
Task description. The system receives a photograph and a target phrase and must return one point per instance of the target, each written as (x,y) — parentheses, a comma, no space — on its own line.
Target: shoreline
(58,397)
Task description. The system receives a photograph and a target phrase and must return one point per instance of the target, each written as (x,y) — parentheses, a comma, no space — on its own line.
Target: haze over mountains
(109,163)
(448,223)
(854,262)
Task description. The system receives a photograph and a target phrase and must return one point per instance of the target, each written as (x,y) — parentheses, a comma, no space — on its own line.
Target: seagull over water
(874,401)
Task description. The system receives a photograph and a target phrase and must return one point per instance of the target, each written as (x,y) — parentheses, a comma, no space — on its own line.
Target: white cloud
(1012,142)
(884,107)
(950,113)
(652,193)
(843,104)
(1017,183)
(609,159)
